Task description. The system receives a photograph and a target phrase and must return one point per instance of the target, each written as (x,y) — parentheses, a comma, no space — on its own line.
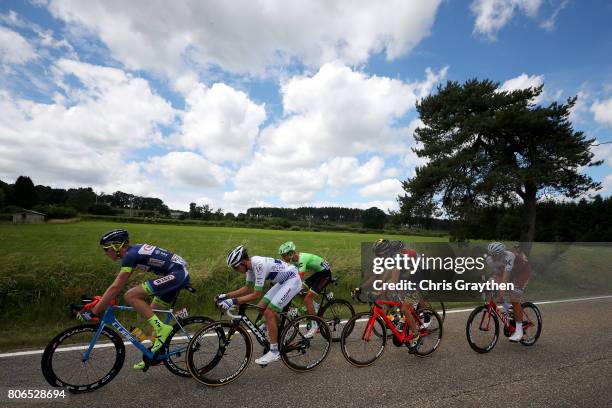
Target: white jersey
(505,263)
(275,270)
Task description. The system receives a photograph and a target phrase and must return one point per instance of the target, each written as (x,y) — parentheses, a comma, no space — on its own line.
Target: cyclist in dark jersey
(149,258)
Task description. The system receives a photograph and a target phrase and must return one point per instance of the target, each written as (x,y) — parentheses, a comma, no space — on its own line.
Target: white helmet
(236,255)
(495,248)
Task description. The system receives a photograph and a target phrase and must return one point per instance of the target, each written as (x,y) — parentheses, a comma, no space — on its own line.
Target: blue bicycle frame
(110,319)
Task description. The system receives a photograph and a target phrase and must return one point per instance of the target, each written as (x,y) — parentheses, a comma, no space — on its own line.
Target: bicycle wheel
(481,335)
(435,303)
(360,344)
(430,333)
(336,313)
(63,365)
(177,343)
(219,353)
(532,324)
(299,352)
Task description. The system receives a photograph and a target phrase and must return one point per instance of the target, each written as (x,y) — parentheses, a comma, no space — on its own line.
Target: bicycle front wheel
(64,364)
(176,345)
(532,324)
(336,313)
(482,329)
(301,352)
(363,339)
(219,353)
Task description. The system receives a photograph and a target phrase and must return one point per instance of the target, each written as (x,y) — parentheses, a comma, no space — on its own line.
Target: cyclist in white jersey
(258,269)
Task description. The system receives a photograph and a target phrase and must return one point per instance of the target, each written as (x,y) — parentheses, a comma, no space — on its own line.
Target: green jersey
(311,263)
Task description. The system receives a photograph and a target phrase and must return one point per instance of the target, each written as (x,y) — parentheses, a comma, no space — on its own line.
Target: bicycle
(484,314)
(86,357)
(335,312)
(368,328)
(219,352)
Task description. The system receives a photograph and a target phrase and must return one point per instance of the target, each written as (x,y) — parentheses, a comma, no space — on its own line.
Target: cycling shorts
(280,294)
(167,287)
(318,281)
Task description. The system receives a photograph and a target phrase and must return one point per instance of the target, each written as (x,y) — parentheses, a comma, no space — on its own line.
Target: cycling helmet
(386,247)
(116,236)
(495,248)
(287,247)
(236,255)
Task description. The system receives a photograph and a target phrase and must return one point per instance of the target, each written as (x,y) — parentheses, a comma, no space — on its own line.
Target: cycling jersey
(516,264)
(264,268)
(311,263)
(149,258)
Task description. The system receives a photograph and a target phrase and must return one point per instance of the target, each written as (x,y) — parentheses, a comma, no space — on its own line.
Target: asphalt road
(571,365)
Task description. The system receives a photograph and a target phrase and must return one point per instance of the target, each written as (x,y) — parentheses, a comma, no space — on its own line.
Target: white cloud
(524,81)
(188,169)
(386,188)
(220,122)
(83,140)
(340,112)
(14,49)
(492,15)
(549,23)
(249,36)
(602,110)
(344,171)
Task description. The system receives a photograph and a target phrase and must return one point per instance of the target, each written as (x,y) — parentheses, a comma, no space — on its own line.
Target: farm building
(28,217)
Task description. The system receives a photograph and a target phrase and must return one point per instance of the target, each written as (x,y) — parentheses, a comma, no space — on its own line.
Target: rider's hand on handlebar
(226,304)
(86,316)
(355,293)
(220,297)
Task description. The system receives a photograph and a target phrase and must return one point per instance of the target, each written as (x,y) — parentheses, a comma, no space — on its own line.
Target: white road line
(548,302)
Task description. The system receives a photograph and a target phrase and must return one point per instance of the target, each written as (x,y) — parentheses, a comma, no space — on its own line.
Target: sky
(247,103)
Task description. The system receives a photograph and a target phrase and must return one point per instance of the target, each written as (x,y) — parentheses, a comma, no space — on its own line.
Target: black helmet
(116,236)
(386,247)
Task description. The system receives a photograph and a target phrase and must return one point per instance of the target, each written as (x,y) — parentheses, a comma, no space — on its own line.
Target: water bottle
(138,333)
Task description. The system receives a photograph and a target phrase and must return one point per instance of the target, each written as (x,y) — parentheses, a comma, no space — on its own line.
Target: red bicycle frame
(377,311)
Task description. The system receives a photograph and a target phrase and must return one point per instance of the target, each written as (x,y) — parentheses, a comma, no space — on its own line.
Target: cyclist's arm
(246,289)
(112,292)
(254,295)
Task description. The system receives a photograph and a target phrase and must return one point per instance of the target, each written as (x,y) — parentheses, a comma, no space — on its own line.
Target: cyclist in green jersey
(315,283)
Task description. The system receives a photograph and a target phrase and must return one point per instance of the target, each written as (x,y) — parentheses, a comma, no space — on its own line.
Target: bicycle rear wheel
(177,344)
(299,352)
(219,353)
(336,313)
(532,324)
(431,335)
(363,339)
(482,329)
(63,365)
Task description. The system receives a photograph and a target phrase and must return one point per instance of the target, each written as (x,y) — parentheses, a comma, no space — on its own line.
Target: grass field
(46,267)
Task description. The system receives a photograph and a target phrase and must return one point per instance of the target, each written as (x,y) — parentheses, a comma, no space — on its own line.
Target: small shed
(28,217)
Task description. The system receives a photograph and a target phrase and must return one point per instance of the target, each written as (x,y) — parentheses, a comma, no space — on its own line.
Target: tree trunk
(529,219)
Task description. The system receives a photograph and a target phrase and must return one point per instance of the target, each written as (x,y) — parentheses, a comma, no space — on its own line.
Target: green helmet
(286,248)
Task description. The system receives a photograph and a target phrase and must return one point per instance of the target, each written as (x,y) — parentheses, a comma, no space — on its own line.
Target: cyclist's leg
(516,297)
(165,289)
(316,283)
(275,301)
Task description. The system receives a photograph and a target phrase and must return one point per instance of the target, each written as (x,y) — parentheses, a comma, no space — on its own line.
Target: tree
(373,218)
(24,192)
(485,146)
(81,198)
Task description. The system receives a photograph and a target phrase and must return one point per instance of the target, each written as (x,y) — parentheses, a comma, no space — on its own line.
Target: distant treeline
(66,203)
(331,214)
(582,221)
